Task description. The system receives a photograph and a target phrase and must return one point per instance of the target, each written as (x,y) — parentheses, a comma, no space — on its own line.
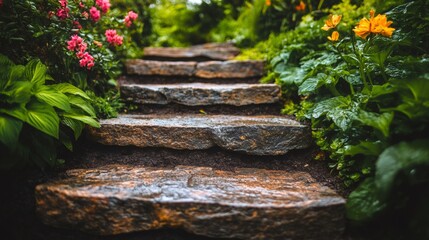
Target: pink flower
(82,49)
(86,61)
(113,38)
(81,5)
(74,42)
(95,14)
(63,3)
(103,4)
(63,13)
(77,25)
(130,18)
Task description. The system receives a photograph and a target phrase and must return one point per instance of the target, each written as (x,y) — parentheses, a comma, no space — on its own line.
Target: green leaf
(10,129)
(380,90)
(82,104)
(403,157)
(53,97)
(35,71)
(311,84)
(363,203)
(365,148)
(378,121)
(75,125)
(85,119)
(18,92)
(328,105)
(68,88)
(43,117)
(17,111)
(16,73)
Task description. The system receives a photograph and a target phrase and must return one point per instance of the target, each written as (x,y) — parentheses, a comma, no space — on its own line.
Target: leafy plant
(35,116)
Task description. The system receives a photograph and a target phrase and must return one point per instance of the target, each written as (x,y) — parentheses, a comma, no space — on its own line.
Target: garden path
(195,100)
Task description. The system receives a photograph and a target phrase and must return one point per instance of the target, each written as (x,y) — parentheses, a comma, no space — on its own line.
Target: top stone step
(204,52)
(204,70)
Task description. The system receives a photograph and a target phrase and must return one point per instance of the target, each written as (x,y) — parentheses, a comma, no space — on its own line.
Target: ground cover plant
(362,82)
(59,64)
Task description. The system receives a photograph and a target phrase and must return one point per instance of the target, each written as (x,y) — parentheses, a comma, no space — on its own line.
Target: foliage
(364,91)
(91,64)
(35,116)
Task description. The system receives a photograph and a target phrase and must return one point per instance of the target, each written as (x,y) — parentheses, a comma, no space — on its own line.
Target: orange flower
(334,37)
(301,6)
(376,25)
(268,2)
(331,22)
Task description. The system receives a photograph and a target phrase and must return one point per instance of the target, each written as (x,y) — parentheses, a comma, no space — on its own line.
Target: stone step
(201,94)
(245,203)
(210,69)
(256,135)
(204,52)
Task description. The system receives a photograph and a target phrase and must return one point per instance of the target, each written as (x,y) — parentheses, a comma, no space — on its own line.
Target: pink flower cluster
(129,19)
(63,11)
(103,4)
(95,14)
(77,44)
(113,38)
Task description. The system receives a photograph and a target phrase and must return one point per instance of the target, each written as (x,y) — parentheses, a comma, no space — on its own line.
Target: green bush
(36,117)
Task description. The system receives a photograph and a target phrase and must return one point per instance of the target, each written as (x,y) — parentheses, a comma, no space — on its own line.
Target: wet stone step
(210,69)
(205,52)
(200,94)
(255,135)
(259,135)
(245,203)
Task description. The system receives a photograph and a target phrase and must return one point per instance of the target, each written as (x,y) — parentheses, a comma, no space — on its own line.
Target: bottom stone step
(245,203)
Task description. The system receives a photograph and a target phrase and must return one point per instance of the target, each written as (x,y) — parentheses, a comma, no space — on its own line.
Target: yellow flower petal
(334,37)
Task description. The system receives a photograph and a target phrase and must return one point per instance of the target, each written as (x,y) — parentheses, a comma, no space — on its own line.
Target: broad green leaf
(68,88)
(44,118)
(365,148)
(5,66)
(75,125)
(10,129)
(379,90)
(313,83)
(17,111)
(85,119)
(403,157)
(16,73)
(66,141)
(327,105)
(363,203)
(36,72)
(292,76)
(378,121)
(82,104)
(53,97)
(18,92)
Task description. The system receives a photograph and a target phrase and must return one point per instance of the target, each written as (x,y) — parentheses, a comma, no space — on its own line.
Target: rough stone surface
(210,69)
(230,69)
(204,52)
(245,203)
(256,135)
(149,67)
(199,94)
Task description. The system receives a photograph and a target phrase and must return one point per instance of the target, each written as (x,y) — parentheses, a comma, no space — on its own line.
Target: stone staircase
(243,203)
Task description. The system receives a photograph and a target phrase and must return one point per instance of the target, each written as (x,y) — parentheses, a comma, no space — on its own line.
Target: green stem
(342,57)
(361,62)
(333,90)
(320,4)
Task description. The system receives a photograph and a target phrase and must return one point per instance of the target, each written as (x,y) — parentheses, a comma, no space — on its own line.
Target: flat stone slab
(200,94)
(256,135)
(211,51)
(230,69)
(245,203)
(210,69)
